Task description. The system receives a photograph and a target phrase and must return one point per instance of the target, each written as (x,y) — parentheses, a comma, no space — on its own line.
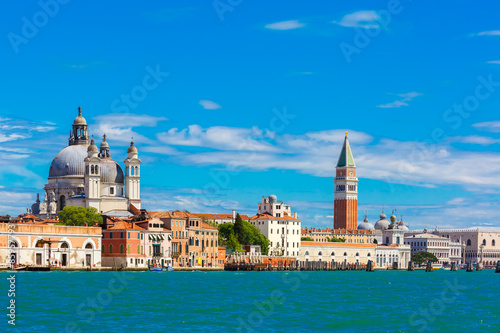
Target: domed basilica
(84,175)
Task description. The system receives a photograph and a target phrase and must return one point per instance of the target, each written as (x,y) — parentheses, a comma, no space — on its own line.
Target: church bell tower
(346,191)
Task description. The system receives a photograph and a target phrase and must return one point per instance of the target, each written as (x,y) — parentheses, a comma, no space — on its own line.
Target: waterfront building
(346,190)
(437,245)
(478,244)
(359,236)
(274,220)
(83,175)
(41,244)
(338,252)
(194,242)
(136,243)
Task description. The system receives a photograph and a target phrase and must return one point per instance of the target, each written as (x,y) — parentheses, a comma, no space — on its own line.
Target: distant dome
(111,172)
(132,149)
(80,121)
(365,225)
(382,224)
(393,218)
(404,228)
(69,162)
(92,147)
(273,198)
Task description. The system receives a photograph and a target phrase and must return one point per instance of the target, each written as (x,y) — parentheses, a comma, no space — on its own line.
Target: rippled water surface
(382,301)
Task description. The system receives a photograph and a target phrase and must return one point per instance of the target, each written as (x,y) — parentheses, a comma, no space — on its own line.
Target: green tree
(78,216)
(334,239)
(423,256)
(239,229)
(375,241)
(250,235)
(232,243)
(306,239)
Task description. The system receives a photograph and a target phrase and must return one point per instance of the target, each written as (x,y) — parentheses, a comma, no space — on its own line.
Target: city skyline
(228,106)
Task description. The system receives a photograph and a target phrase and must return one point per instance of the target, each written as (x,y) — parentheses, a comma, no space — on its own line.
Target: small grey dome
(92,147)
(69,162)
(365,225)
(404,228)
(80,120)
(273,198)
(132,149)
(111,172)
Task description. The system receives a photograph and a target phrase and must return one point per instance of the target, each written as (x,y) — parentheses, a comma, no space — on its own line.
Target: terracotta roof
(134,209)
(175,214)
(219,216)
(207,226)
(122,225)
(29,216)
(270,217)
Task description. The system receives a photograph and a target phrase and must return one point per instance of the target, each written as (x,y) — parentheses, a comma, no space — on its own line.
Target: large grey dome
(111,172)
(69,162)
(382,224)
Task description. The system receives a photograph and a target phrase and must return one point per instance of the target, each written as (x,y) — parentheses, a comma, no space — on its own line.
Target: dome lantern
(79,134)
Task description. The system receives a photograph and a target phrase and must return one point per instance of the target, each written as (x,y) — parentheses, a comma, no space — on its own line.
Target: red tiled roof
(207,226)
(337,244)
(122,225)
(219,216)
(175,214)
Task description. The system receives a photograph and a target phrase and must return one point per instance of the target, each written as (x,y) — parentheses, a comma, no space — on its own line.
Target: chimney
(234,215)
(295,215)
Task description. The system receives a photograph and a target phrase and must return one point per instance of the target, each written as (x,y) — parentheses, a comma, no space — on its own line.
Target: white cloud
(218,137)
(496,62)
(367,19)
(488,126)
(489,33)
(475,139)
(209,105)
(118,126)
(285,25)
(403,101)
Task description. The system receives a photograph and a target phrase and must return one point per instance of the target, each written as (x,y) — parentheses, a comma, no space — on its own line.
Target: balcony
(157,255)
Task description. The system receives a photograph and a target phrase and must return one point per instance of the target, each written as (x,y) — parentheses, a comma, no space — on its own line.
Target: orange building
(195,242)
(136,244)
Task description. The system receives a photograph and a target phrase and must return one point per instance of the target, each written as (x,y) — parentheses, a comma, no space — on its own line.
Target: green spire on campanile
(345,158)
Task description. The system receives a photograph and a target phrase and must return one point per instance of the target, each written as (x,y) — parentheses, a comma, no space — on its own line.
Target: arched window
(64,245)
(13,244)
(345,254)
(484,241)
(131,171)
(96,169)
(110,248)
(121,248)
(307,253)
(469,243)
(332,254)
(136,171)
(493,242)
(357,254)
(320,253)
(369,254)
(89,246)
(91,169)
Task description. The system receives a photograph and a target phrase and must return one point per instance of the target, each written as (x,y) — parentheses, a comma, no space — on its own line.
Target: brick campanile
(346,191)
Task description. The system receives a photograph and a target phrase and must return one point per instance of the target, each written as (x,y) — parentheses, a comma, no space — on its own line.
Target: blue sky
(232,100)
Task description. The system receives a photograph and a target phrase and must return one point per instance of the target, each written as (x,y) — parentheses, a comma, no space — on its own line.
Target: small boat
(161,269)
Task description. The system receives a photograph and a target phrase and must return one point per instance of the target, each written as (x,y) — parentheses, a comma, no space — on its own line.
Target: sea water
(350,301)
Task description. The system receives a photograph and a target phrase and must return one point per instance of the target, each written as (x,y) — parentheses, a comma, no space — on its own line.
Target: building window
(484,241)
(121,234)
(129,235)
(112,190)
(469,243)
(121,248)
(103,248)
(110,248)
(493,242)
